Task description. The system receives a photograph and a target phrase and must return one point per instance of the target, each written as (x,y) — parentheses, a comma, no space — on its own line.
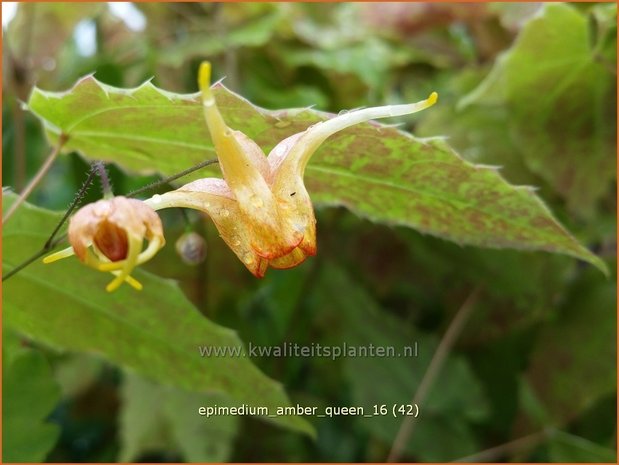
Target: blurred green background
(537,358)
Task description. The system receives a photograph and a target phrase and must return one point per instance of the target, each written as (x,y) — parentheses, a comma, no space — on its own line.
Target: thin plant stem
(517,445)
(20,143)
(51,243)
(74,203)
(106,185)
(433,370)
(19,80)
(33,258)
(174,177)
(49,161)
(186,219)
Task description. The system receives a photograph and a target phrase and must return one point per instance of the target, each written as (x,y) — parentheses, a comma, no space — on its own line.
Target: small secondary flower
(108,235)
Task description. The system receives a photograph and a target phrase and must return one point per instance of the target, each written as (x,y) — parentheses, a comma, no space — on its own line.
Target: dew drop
(236,241)
(156,198)
(280,150)
(256,201)
(248,259)
(223,212)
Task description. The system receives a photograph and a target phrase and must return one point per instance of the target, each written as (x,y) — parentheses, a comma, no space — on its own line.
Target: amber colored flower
(261,207)
(108,236)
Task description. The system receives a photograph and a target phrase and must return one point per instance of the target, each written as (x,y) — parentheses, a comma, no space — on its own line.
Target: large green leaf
(156,332)
(29,393)
(581,345)
(254,33)
(376,171)
(159,418)
(560,93)
(448,410)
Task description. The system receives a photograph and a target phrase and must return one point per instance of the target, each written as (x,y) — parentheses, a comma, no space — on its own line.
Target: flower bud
(191,247)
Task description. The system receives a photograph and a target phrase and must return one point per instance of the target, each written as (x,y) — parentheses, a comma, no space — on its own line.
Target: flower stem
(438,359)
(52,241)
(106,186)
(169,179)
(517,445)
(49,161)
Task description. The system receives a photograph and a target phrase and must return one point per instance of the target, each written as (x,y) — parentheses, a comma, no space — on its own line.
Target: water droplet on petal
(248,259)
(280,150)
(156,198)
(256,201)
(236,241)
(223,212)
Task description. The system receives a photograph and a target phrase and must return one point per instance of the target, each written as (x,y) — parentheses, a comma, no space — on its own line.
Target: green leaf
(561,98)
(156,332)
(159,419)
(371,60)
(254,33)
(376,171)
(29,393)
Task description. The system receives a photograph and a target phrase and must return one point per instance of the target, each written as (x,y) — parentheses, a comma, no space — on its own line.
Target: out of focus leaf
(370,60)
(560,99)
(40,29)
(480,134)
(574,363)
(564,447)
(603,32)
(376,171)
(162,419)
(156,332)
(254,33)
(514,16)
(29,393)
(449,408)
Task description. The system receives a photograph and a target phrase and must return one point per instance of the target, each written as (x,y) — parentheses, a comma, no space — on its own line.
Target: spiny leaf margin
(375,170)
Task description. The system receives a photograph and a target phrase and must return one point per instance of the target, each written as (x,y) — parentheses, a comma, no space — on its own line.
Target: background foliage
(529,87)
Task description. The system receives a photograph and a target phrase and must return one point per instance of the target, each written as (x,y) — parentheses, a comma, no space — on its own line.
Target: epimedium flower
(261,208)
(108,235)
